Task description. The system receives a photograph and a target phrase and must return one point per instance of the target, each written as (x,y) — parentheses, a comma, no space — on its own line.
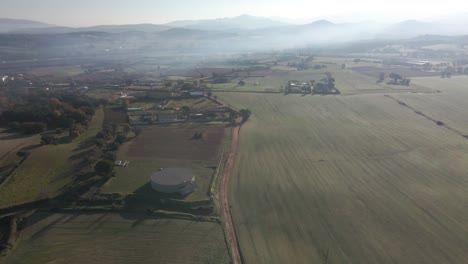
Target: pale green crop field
(348,82)
(360,176)
(114,238)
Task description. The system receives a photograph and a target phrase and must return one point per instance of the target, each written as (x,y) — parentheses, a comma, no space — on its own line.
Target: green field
(360,177)
(195,104)
(113,238)
(348,82)
(47,170)
(11,143)
(62,71)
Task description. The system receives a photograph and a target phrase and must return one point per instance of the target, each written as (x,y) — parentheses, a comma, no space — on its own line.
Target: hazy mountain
(8,24)
(147,28)
(240,33)
(243,22)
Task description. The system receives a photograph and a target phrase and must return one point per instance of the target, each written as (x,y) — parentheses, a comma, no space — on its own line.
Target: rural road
(224,200)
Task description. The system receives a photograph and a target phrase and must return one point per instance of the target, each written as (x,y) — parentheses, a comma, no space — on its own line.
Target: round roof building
(173,180)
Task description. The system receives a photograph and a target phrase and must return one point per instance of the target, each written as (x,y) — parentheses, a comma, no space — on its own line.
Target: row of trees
(395,79)
(108,140)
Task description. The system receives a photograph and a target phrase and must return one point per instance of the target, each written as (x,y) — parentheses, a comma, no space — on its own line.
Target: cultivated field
(373,71)
(348,81)
(448,106)
(48,169)
(361,179)
(113,238)
(197,104)
(177,142)
(167,146)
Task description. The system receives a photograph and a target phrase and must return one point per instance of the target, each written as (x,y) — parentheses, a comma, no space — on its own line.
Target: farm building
(420,65)
(196,93)
(133,109)
(173,180)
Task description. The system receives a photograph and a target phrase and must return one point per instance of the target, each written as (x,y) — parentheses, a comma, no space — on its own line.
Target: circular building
(173,180)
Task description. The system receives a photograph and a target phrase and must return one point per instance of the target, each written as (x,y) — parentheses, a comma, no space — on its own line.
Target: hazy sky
(92,12)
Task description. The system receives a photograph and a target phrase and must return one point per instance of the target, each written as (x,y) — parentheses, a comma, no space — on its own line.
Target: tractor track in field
(437,122)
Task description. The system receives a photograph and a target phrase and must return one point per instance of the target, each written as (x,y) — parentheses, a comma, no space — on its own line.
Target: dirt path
(224,200)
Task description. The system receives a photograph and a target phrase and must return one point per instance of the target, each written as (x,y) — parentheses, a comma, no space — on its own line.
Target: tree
(331,83)
(126,128)
(137,130)
(381,77)
(114,146)
(185,110)
(241,83)
(48,139)
(343,66)
(121,137)
(395,77)
(245,114)
(110,155)
(103,167)
(33,127)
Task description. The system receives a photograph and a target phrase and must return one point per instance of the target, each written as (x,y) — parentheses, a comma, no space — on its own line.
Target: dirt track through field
(224,200)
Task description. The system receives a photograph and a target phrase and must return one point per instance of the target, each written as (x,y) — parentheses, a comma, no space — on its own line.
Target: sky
(101,12)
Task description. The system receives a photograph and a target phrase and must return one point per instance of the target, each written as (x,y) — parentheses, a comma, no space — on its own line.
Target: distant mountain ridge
(9,24)
(242,22)
(255,31)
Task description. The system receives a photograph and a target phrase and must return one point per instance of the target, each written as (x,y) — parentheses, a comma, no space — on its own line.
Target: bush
(245,113)
(110,155)
(103,167)
(33,127)
(121,138)
(14,125)
(99,142)
(74,133)
(114,146)
(48,139)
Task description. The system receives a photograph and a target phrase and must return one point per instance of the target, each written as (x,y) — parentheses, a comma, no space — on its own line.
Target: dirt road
(224,200)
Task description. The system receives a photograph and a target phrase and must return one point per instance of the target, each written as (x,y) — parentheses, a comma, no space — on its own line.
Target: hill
(9,24)
(243,22)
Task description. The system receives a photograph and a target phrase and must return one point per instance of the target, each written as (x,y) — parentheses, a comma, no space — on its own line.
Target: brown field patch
(177,142)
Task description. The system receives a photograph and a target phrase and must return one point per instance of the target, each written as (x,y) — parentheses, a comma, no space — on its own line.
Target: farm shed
(196,93)
(173,180)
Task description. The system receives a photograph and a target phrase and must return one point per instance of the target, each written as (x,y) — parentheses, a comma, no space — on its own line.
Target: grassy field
(112,238)
(359,177)
(62,71)
(168,146)
(348,81)
(11,143)
(47,170)
(195,104)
